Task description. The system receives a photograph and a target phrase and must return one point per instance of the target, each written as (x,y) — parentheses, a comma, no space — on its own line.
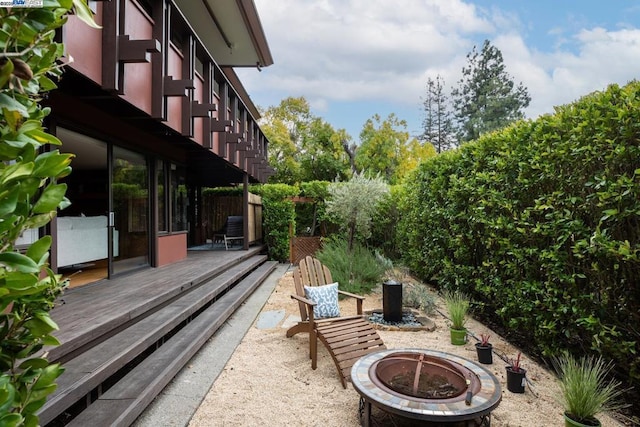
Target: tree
(438,124)
(302,147)
(385,149)
(352,204)
(29,197)
(486,98)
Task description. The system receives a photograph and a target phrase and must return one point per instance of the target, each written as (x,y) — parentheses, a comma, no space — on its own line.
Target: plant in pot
(484,350)
(457,304)
(516,375)
(586,392)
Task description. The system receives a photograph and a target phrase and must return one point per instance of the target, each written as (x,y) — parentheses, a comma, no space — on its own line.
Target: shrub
(356,271)
(418,296)
(538,223)
(278,215)
(29,197)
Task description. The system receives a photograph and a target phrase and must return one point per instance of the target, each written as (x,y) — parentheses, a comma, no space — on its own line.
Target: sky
(352,59)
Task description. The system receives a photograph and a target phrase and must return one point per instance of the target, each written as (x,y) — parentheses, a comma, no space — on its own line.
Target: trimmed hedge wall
(278,213)
(539,224)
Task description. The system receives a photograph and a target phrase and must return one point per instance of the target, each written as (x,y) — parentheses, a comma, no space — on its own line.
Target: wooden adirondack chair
(346,338)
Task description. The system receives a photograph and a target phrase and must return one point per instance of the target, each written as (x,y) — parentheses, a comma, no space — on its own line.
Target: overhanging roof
(230,30)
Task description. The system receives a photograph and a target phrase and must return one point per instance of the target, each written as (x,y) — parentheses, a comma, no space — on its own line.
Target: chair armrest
(304,300)
(349,294)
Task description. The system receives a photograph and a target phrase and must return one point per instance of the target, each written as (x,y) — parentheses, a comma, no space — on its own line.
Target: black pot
(516,380)
(485,353)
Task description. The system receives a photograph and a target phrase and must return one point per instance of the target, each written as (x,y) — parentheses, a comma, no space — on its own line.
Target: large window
(161,184)
(179,199)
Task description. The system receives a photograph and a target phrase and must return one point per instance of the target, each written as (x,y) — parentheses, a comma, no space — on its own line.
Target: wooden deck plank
(145,381)
(87,312)
(90,368)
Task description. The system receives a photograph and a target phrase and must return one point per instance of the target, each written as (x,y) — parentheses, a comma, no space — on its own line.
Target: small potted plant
(516,375)
(585,389)
(458,305)
(484,350)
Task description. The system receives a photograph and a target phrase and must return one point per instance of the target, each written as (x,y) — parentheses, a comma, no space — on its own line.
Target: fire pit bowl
(423,377)
(425,385)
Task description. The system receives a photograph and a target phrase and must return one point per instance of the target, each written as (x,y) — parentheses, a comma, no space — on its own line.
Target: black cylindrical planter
(516,380)
(392,301)
(485,353)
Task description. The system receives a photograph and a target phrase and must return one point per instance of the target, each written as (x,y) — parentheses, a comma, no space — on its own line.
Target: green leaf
(47,377)
(84,13)
(50,340)
(39,249)
(45,318)
(5,73)
(37,327)
(43,137)
(8,203)
(50,198)
(35,363)
(19,262)
(7,393)
(16,171)
(11,420)
(10,104)
(52,164)
(17,282)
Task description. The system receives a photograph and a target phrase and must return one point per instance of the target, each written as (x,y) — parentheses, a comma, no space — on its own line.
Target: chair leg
(313,348)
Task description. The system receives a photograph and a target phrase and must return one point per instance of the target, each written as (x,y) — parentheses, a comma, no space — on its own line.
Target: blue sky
(352,59)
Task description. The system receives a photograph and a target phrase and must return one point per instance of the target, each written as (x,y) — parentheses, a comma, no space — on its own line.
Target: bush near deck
(540,224)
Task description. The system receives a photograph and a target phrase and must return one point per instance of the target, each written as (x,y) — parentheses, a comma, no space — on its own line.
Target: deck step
(92,368)
(136,294)
(125,401)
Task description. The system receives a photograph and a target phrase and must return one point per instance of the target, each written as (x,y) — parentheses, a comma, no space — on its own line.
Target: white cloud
(383,51)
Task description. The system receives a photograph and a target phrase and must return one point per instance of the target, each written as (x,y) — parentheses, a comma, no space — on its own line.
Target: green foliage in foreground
(357,271)
(540,224)
(29,197)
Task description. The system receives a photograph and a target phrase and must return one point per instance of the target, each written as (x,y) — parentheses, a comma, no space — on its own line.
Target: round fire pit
(425,385)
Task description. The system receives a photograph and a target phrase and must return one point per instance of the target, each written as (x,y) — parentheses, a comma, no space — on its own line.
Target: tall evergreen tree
(437,125)
(486,98)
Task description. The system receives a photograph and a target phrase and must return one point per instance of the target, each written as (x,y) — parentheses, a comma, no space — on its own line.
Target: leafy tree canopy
(386,149)
(303,147)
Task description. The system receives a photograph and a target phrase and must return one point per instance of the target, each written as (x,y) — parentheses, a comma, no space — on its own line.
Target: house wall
(171,248)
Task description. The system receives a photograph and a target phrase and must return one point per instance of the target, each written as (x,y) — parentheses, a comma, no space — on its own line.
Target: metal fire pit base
(429,412)
(378,418)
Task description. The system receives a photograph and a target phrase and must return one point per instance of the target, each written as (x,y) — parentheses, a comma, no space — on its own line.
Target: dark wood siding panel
(137,76)
(174,103)
(199,96)
(84,45)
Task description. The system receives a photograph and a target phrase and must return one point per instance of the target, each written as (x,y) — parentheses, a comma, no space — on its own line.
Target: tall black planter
(485,353)
(516,380)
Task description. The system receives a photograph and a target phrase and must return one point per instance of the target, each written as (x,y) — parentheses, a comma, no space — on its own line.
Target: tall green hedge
(539,223)
(278,214)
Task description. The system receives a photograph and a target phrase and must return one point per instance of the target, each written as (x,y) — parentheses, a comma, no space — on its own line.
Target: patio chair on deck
(233,230)
(346,338)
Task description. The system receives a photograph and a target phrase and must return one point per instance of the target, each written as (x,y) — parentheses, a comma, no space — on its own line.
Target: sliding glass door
(129,219)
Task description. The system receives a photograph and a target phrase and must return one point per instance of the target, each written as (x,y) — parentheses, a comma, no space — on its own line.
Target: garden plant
(30,196)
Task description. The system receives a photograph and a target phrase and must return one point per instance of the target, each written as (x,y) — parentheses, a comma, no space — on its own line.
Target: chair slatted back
(310,272)
(234,226)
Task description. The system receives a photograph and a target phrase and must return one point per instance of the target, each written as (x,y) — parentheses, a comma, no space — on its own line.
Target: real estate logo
(20,3)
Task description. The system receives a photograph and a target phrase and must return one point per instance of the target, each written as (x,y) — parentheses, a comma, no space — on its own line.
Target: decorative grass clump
(457,304)
(586,392)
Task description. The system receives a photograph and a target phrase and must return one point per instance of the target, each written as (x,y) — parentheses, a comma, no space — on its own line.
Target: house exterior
(153,111)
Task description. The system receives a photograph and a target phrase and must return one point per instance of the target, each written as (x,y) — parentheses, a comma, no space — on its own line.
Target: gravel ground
(269,381)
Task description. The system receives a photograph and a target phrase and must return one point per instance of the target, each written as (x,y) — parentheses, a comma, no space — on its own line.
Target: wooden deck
(111,330)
